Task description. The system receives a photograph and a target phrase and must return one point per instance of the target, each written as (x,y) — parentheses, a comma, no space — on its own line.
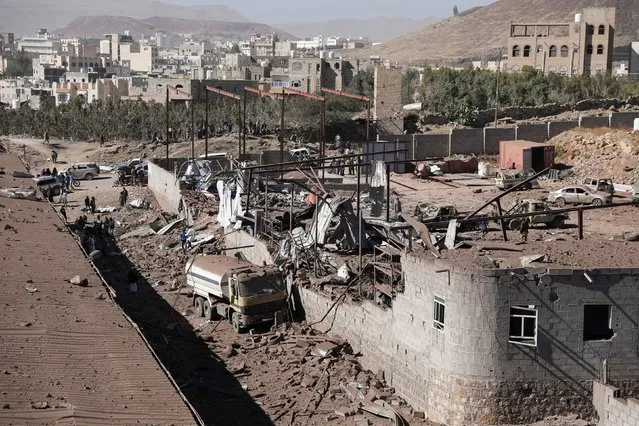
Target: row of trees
(456,94)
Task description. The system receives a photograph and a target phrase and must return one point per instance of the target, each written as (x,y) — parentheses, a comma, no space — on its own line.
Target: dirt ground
(272,376)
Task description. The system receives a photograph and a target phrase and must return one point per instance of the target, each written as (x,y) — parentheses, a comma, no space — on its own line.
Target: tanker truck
(237,290)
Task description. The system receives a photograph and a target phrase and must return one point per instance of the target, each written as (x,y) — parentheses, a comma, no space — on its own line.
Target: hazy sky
(279,11)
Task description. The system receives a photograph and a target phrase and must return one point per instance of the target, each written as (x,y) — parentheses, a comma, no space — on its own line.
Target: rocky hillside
(25,17)
(483,31)
(97,26)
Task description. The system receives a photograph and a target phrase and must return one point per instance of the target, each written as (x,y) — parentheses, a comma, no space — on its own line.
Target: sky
(285,11)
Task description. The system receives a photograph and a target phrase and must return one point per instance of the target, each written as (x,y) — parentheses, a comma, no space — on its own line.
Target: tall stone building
(580,48)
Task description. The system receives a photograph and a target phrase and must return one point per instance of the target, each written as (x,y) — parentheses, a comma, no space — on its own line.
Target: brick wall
(612,410)
(467,141)
(594,122)
(557,127)
(165,187)
(388,92)
(532,132)
(432,145)
(492,137)
(470,373)
(623,120)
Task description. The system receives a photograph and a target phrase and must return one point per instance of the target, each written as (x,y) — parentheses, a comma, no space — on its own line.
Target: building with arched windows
(582,47)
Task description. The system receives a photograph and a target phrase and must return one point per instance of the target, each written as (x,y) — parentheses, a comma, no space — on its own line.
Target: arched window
(600,49)
(602,30)
(515,51)
(91,64)
(552,52)
(589,49)
(590,29)
(564,51)
(526,51)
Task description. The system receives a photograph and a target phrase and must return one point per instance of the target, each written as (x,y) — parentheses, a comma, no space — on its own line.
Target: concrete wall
(623,120)
(557,127)
(532,132)
(258,254)
(467,141)
(612,410)
(594,122)
(492,137)
(470,373)
(166,188)
(387,92)
(432,145)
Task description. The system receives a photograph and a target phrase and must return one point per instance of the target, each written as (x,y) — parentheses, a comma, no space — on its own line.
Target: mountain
(97,26)
(484,30)
(376,29)
(25,17)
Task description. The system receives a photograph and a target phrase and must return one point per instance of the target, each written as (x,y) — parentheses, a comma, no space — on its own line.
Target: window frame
(522,339)
(552,51)
(609,321)
(439,322)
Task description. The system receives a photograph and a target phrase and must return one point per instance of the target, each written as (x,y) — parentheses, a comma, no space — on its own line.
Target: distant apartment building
(580,48)
(43,43)
(111,45)
(311,74)
(139,58)
(315,43)
(96,89)
(259,45)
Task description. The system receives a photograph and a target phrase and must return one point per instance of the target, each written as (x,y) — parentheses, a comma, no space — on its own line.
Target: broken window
(515,51)
(564,51)
(438,316)
(552,52)
(598,322)
(523,325)
(526,51)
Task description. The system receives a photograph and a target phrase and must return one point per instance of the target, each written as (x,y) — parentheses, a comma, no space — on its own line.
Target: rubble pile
(605,153)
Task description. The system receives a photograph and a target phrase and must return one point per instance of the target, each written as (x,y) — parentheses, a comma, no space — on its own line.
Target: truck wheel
(207,310)
(88,176)
(199,306)
(235,320)
(513,225)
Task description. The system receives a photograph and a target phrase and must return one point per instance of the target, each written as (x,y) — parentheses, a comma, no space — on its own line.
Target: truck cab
(599,184)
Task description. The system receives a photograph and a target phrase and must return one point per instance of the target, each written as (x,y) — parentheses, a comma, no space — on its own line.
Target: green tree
(20,65)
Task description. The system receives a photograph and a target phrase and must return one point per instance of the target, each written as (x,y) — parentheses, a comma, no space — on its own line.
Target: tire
(235,320)
(597,202)
(88,176)
(513,225)
(561,202)
(206,310)
(199,306)
(75,183)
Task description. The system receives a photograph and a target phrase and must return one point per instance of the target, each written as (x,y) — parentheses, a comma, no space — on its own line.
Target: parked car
(85,171)
(48,182)
(579,195)
(599,184)
(505,179)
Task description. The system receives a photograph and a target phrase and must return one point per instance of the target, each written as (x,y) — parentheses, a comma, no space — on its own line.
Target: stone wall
(532,132)
(492,137)
(623,120)
(432,145)
(388,93)
(557,127)
(467,141)
(469,372)
(166,188)
(594,122)
(612,410)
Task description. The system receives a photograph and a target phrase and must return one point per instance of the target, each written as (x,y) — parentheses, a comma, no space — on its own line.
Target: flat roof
(526,144)
(67,353)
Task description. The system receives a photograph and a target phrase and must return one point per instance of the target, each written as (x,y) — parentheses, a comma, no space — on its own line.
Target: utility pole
(192,129)
(244,121)
(206,133)
(282,129)
(240,128)
(167,127)
(497,88)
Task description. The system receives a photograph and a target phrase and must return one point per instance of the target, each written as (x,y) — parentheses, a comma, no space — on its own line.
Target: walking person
(63,197)
(183,240)
(87,204)
(523,229)
(67,180)
(92,205)
(63,212)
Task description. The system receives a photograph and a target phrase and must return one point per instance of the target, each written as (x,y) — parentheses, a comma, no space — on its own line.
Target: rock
(631,236)
(230,352)
(308,381)
(40,405)
(100,296)
(344,412)
(419,414)
(95,254)
(80,281)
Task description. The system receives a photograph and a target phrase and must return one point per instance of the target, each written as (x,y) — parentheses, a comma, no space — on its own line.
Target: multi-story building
(311,74)
(315,43)
(580,48)
(43,43)
(139,58)
(112,45)
(94,90)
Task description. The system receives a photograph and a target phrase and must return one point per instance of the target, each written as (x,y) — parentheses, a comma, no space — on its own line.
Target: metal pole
(239,128)
(580,223)
(266,196)
(323,132)
(317,200)
(290,219)
(248,192)
(192,129)
(167,127)
(206,133)
(497,89)
(359,225)
(388,193)
(282,129)
(502,223)
(244,121)
(368,121)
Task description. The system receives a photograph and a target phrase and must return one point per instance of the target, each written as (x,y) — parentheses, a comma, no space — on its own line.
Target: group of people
(338,166)
(89,204)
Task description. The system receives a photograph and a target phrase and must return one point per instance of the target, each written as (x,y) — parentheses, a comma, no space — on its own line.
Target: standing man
(124,195)
(67,180)
(523,229)
(63,212)
(92,205)
(87,204)
(46,136)
(54,156)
